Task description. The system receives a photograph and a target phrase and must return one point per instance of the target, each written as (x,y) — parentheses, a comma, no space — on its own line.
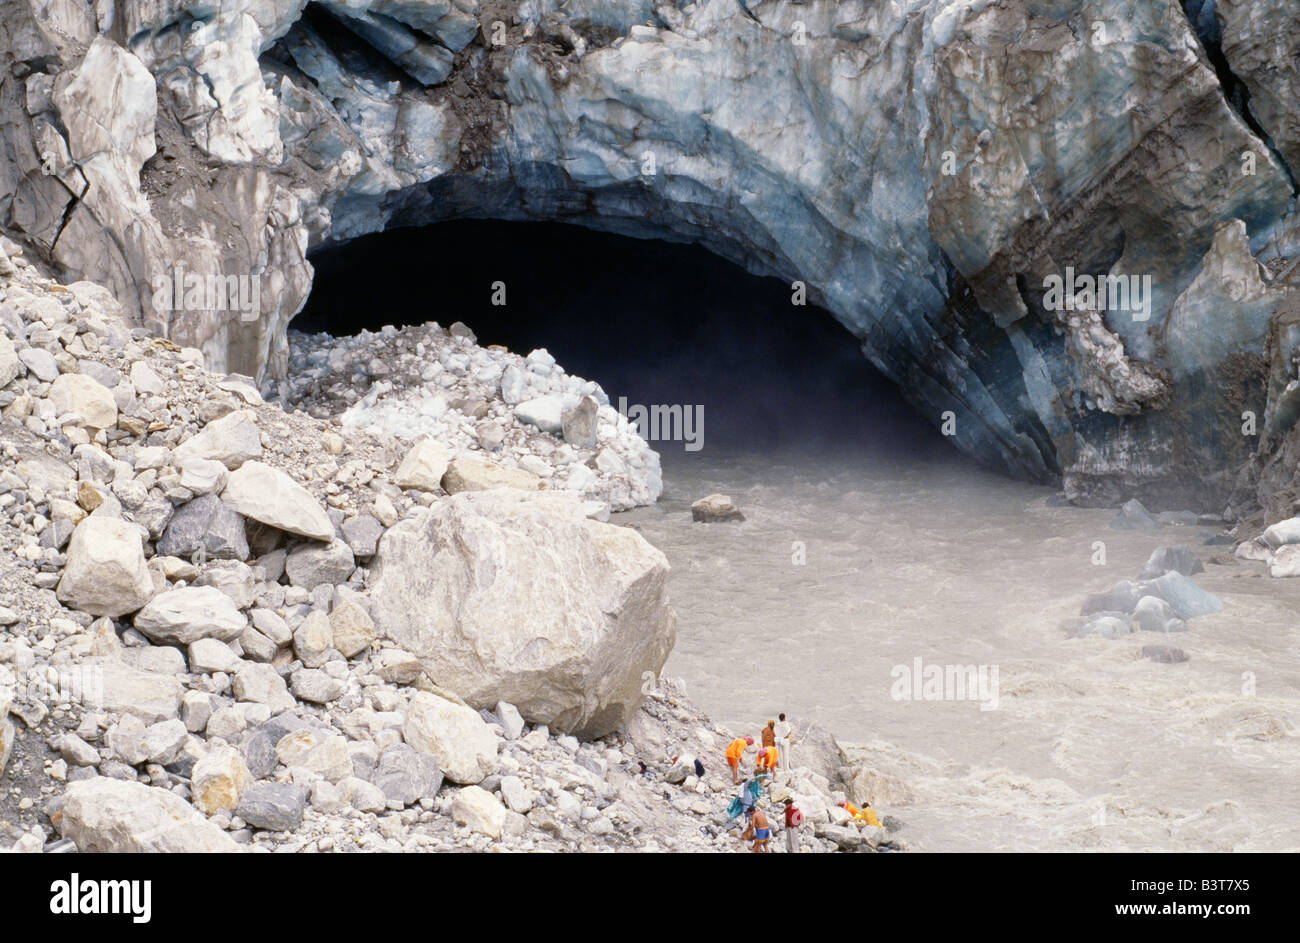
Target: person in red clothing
(793,819)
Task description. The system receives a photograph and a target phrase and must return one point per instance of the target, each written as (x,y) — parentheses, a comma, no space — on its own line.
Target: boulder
(506,595)
(1282,533)
(715,508)
(457,739)
(206,524)
(231,440)
(208,655)
(362,534)
(579,423)
(478,809)
(1164,654)
(1172,559)
(1152,614)
(10,365)
(106,573)
(423,467)
(85,397)
(352,627)
(544,412)
(1183,595)
(203,476)
(407,775)
(1121,597)
(271,497)
(1105,625)
(261,684)
(1132,516)
(275,807)
(471,474)
(312,565)
(315,686)
(126,690)
(219,780)
(185,615)
(317,751)
(104,815)
(1285,562)
(815,749)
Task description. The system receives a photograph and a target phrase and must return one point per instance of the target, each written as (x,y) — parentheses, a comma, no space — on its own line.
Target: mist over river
(1090,746)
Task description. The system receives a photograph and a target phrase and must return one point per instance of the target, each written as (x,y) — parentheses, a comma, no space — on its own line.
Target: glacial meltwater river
(1089,747)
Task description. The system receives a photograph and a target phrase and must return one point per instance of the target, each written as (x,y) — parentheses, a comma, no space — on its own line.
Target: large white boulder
(104,815)
(270,496)
(185,615)
(515,596)
(231,440)
(85,397)
(458,739)
(106,573)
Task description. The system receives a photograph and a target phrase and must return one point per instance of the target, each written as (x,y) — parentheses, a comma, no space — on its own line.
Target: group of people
(773,753)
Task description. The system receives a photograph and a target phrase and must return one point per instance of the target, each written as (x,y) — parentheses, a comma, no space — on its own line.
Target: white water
(1090,747)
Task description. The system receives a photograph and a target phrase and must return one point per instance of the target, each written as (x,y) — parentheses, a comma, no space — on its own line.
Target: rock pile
(1162,599)
(226,626)
(524,414)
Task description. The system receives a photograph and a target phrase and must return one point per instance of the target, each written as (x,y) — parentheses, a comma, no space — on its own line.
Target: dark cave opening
(652,321)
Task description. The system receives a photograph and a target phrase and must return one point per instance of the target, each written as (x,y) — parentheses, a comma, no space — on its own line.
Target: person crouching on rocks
(762,832)
(735,751)
(864,816)
(766,761)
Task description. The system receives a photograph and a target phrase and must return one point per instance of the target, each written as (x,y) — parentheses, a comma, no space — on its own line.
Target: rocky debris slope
(920,167)
(226,626)
(520,412)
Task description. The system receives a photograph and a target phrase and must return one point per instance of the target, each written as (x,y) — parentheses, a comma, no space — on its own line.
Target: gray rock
(205,523)
(1183,595)
(276,807)
(1178,559)
(310,684)
(1164,654)
(1106,625)
(311,565)
(258,749)
(362,535)
(405,775)
(1132,516)
(1121,597)
(579,424)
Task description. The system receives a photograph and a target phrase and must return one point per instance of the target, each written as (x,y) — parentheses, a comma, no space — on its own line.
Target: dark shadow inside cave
(652,321)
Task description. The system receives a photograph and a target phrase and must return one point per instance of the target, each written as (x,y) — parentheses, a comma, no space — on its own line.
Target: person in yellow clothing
(866,815)
(766,761)
(736,750)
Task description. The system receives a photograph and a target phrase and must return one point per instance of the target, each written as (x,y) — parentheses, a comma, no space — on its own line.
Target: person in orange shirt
(766,761)
(736,750)
(864,816)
